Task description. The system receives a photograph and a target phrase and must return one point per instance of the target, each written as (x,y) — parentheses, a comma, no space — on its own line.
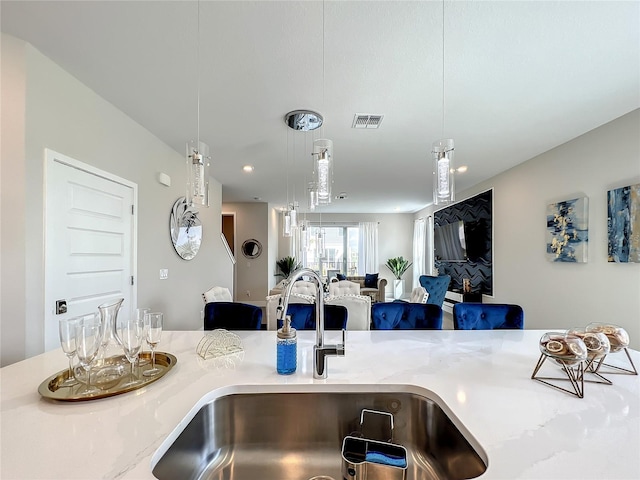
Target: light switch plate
(164,273)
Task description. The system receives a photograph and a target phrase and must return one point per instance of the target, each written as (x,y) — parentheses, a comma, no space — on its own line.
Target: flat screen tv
(449,242)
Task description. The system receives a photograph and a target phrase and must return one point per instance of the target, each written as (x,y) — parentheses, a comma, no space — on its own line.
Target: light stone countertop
(528,430)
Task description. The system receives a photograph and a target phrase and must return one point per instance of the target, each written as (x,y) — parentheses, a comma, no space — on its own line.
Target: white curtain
(430,257)
(419,250)
(296,250)
(368,248)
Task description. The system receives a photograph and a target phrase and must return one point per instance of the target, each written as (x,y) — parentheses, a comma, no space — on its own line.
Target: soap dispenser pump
(287,348)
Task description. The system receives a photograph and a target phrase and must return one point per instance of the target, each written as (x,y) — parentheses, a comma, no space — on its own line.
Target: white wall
(564,295)
(12,181)
(395,239)
(64,115)
(252,222)
(272,251)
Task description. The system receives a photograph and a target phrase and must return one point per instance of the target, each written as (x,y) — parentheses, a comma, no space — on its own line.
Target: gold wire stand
(591,366)
(615,370)
(574,374)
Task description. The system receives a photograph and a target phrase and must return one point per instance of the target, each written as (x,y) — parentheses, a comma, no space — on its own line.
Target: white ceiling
(520,78)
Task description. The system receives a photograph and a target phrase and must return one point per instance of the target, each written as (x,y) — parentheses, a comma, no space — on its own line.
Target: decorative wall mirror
(251,248)
(185,228)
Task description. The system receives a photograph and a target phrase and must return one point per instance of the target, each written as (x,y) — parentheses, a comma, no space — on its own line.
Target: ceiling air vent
(364,120)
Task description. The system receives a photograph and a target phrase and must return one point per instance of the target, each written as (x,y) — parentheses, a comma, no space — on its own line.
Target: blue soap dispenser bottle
(287,348)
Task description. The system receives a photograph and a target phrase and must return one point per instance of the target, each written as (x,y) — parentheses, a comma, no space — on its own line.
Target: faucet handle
(340,348)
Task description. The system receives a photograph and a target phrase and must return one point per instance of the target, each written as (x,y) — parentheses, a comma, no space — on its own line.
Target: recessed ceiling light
(461,169)
(257,198)
(341,196)
(248,168)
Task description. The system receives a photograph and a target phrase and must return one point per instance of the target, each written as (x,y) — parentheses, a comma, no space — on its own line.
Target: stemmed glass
(88,340)
(153,332)
(67,331)
(130,333)
(140,313)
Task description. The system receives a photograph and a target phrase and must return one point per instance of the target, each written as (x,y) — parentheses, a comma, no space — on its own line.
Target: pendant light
(442,152)
(286,223)
(323,153)
(287,230)
(323,150)
(197,155)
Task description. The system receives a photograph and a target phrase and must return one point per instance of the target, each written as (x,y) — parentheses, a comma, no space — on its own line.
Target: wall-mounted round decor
(251,248)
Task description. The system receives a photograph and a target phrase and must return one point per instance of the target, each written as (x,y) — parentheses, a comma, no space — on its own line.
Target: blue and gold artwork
(568,230)
(623,224)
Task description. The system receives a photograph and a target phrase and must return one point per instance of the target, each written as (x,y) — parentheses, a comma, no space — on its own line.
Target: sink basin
(296,432)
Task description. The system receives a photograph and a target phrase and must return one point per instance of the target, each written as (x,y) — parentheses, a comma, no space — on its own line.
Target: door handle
(61,307)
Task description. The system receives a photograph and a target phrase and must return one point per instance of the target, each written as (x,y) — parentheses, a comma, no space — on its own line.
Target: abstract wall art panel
(623,224)
(568,230)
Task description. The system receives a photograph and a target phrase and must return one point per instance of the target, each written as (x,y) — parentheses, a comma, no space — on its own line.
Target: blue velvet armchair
(406,316)
(487,316)
(232,316)
(436,287)
(303,316)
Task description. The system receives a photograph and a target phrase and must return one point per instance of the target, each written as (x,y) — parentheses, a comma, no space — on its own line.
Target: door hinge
(132,210)
(132,280)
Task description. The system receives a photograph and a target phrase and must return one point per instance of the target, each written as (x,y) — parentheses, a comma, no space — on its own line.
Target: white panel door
(90,241)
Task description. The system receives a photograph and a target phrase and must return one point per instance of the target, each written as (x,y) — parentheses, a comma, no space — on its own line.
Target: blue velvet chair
(232,316)
(436,287)
(405,316)
(487,316)
(303,316)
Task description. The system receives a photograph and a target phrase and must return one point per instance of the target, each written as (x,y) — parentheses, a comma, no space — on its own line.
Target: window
(332,249)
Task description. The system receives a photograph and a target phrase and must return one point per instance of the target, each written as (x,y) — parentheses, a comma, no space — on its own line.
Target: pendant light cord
(198,75)
(287,171)
(442,69)
(323,97)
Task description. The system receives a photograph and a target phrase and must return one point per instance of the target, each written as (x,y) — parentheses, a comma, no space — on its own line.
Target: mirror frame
(185,229)
(251,248)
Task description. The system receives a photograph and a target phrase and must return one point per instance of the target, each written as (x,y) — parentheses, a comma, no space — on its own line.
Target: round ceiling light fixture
(304,120)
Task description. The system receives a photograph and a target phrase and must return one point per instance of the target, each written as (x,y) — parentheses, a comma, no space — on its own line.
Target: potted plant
(286,266)
(398,267)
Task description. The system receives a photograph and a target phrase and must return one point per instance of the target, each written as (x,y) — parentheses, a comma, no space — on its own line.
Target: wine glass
(140,313)
(130,331)
(88,341)
(153,332)
(67,331)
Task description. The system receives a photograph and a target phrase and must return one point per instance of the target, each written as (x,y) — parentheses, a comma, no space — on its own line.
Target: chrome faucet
(320,350)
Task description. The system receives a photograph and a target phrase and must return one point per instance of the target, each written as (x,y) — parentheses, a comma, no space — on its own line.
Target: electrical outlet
(164,273)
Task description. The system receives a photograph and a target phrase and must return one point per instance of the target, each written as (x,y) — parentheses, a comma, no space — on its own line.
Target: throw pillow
(371,280)
(340,276)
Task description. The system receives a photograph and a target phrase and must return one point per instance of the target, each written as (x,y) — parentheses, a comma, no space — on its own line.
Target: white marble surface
(528,430)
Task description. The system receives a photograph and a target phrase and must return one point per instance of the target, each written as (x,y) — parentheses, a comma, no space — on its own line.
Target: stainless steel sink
(296,432)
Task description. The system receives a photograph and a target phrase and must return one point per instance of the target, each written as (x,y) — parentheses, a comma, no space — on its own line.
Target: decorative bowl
(563,347)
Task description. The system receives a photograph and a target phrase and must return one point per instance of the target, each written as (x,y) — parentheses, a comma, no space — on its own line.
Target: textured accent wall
(477,214)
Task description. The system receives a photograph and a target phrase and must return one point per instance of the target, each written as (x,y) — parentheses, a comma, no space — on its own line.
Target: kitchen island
(528,430)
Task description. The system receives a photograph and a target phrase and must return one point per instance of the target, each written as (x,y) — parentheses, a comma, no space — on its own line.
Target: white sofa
(344,287)
(419,295)
(358,310)
(302,287)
